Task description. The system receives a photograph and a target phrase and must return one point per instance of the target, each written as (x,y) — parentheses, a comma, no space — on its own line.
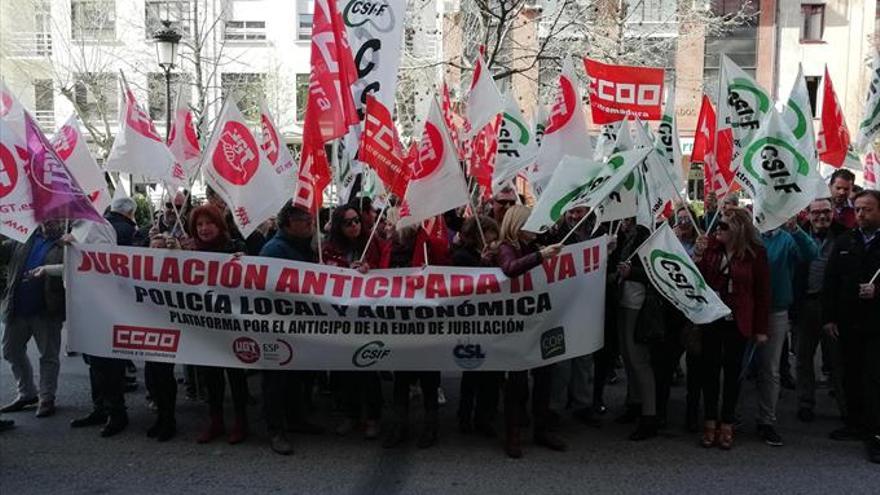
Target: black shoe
(166,431)
(874,449)
(629,416)
(486,429)
(586,417)
(551,441)
(18,405)
(153,431)
(847,434)
(428,437)
(769,435)
(395,437)
(806,415)
(306,428)
(787,382)
(647,429)
(114,425)
(280,444)
(6,424)
(94,418)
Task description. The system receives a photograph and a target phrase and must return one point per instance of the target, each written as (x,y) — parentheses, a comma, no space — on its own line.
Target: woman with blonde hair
(734,264)
(517,254)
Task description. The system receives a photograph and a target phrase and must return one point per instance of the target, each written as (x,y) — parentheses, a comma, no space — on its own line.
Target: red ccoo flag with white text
(833,142)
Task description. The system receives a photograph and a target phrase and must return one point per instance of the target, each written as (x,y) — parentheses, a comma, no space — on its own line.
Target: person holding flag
(734,264)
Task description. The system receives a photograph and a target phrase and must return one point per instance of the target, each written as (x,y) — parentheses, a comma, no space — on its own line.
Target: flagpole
(477,218)
(876,274)
(372,234)
(681,198)
(318,233)
(636,250)
(425,251)
(578,224)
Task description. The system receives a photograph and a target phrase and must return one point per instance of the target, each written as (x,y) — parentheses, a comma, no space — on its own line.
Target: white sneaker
(441,396)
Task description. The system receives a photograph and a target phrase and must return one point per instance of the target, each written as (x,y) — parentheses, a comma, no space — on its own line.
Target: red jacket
(750,298)
(516,261)
(336,256)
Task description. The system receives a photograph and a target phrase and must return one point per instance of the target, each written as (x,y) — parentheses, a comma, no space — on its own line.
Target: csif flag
(437,183)
(675,275)
(240,172)
(869,126)
(517,148)
(567,189)
(70,144)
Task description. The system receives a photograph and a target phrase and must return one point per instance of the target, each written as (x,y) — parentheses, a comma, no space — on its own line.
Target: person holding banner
(734,264)
(346,247)
(851,315)
(210,233)
(284,392)
(518,253)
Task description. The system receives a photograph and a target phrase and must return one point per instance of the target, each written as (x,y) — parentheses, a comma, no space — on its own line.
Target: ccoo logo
(553,343)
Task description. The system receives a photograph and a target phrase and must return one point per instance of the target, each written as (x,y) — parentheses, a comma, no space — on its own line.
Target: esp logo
(246,350)
(553,343)
(145,339)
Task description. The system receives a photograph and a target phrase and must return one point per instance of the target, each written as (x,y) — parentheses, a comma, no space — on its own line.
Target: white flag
(667,143)
(138,149)
(517,148)
(607,140)
(17,221)
(742,106)
(238,170)
(799,117)
(70,144)
(659,190)
(183,142)
(567,189)
(484,101)
(566,132)
(277,152)
(776,172)
(869,126)
(437,183)
(675,275)
(539,124)
(620,196)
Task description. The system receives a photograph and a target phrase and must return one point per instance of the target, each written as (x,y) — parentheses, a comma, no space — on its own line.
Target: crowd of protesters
(801,287)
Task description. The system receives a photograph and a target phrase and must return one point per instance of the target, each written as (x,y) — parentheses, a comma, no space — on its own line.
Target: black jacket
(16,254)
(851,263)
(126,229)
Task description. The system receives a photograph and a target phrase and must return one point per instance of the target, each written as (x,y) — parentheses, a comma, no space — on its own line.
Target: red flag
(314,170)
(451,119)
(871,170)
(714,149)
(833,141)
(433,234)
(482,157)
(618,90)
(380,147)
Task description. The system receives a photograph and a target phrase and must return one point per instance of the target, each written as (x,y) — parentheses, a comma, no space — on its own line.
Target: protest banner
(211,309)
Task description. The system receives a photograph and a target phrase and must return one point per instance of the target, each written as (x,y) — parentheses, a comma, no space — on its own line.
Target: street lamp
(167,40)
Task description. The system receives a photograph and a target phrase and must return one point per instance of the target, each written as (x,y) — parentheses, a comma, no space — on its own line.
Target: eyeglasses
(821,212)
(724,226)
(348,222)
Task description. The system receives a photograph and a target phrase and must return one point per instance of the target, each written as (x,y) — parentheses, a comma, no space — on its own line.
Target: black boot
(630,415)
(397,434)
(647,429)
(692,416)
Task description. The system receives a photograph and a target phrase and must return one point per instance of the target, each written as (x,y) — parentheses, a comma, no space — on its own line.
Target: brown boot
(215,429)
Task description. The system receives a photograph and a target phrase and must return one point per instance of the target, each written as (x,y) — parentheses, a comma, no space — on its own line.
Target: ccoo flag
(675,275)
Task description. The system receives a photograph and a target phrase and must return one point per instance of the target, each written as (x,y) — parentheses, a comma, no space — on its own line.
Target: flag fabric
(566,132)
(660,188)
(381,150)
(675,275)
(56,194)
(71,147)
(833,142)
(314,170)
(138,149)
(798,114)
(871,169)
(517,148)
(452,120)
(622,201)
(17,221)
(620,91)
(437,183)
(539,124)
(717,173)
(607,140)
(567,189)
(276,151)
(742,106)
(484,101)
(667,142)
(484,148)
(12,112)
(776,172)
(241,173)
(870,123)
(183,141)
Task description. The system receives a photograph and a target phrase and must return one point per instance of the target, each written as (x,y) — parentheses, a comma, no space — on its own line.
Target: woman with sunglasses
(359,389)
(518,253)
(734,264)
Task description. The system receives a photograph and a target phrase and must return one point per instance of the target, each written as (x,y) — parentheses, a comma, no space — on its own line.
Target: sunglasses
(505,202)
(348,222)
(724,226)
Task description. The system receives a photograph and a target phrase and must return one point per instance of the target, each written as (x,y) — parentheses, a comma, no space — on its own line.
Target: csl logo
(468,356)
(553,343)
(677,274)
(774,161)
(430,153)
(246,350)
(236,158)
(369,354)
(145,339)
(564,107)
(8,171)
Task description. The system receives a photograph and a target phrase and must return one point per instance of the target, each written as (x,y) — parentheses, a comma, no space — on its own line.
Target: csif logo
(553,343)
(468,356)
(773,161)
(747,102)
(369,354)
(378,13)
(684,281)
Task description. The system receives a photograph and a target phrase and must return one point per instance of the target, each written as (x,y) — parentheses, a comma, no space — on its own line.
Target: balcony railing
(46,119)
(30,45)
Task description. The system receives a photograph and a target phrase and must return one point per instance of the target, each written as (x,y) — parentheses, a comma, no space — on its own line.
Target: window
(176,11)
(653,11)
(43,25)
(741,45)
(93,20)
(305,12)
(812,92)
(302,95)
(44,103)
(248,88)
(814,22)
(245,31)
(96,95)
(156,94)
(732,7)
